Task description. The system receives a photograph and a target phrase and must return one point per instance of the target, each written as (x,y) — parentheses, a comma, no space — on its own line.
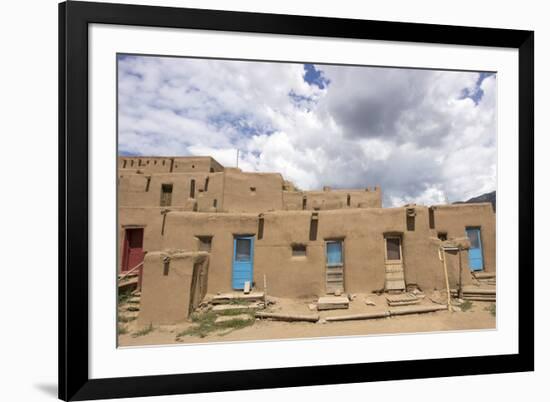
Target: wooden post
(265,291)
(447,280)
(460,272)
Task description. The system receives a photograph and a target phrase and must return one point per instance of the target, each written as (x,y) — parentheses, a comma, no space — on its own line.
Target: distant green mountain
(488,197)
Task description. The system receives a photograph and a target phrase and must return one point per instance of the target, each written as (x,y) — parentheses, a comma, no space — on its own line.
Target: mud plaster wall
(252,192)
(454,219)
(150,219)
(206,197)
(166,291)
(133,190)
(203,164)
(183,228)
(362,230)
(332,199)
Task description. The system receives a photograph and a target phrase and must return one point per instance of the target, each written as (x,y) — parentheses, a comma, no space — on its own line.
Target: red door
(133,249)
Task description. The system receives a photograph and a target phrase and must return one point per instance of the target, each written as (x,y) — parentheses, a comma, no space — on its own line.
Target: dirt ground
(469,316)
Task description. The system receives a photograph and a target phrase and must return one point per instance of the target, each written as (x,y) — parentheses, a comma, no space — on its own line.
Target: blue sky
(424,136)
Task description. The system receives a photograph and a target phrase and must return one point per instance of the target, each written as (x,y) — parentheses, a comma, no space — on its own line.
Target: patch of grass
(467,305)
(205,323)
(143,331)
(122,330)
(124,296)
(492,309)
(236,311)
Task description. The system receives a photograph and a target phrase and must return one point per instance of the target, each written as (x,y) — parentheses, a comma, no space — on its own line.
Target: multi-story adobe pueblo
(192,226)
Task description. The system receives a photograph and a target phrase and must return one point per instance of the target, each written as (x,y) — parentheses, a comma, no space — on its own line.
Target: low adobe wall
(362,231)
(174,282)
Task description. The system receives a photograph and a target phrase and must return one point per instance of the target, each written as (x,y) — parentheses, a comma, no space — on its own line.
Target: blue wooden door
(335,267)
(334,253)
(243,261)
(475,254)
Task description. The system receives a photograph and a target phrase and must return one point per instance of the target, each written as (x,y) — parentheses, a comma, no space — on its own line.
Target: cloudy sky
(425,136)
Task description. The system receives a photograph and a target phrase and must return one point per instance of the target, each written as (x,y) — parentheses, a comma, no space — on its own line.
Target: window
(298,250)
(313,225)
(304,202)
(253,189)
(148,183)
(393,248)
(215,203)
(349,200)
(205,243)
(442,236)
(192,189)
(242,249)
(166,195)
(473,236)
(334,252)
(431,218)
(206,184)
(260,227)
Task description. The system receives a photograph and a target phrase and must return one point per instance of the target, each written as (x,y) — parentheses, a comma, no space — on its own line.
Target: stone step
(227,298)
(134,300)
(332,303)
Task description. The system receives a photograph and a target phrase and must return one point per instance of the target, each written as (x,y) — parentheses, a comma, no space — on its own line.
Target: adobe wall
(135,192)
(148,218)
(252,192)
(159,164)
(363,233)
(166,294)
(229,189)
(182,229)
(332,199)
(210,198)
(453,219)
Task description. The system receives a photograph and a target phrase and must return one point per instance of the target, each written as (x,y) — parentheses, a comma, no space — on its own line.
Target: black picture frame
(74,18)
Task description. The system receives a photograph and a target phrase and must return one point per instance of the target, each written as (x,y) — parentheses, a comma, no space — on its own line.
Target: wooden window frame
(400,260)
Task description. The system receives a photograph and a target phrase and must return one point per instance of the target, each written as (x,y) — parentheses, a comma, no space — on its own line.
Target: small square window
(442,236)
(205,243)
(252,189)
(298,250)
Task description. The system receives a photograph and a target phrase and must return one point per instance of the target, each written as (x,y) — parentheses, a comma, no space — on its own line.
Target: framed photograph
(258,200)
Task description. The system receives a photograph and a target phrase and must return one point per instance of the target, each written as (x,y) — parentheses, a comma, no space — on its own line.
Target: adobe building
(192,226)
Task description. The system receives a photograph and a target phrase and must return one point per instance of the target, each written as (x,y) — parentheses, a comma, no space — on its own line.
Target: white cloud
(424,136)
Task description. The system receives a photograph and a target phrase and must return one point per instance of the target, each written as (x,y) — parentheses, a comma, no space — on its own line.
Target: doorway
(132,254)
(243,261)
(395,275)
(334,266)
(475,253)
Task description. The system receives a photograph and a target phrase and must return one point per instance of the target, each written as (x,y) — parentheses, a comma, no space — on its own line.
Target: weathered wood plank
(366,316)
(288,317)
(416,310)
